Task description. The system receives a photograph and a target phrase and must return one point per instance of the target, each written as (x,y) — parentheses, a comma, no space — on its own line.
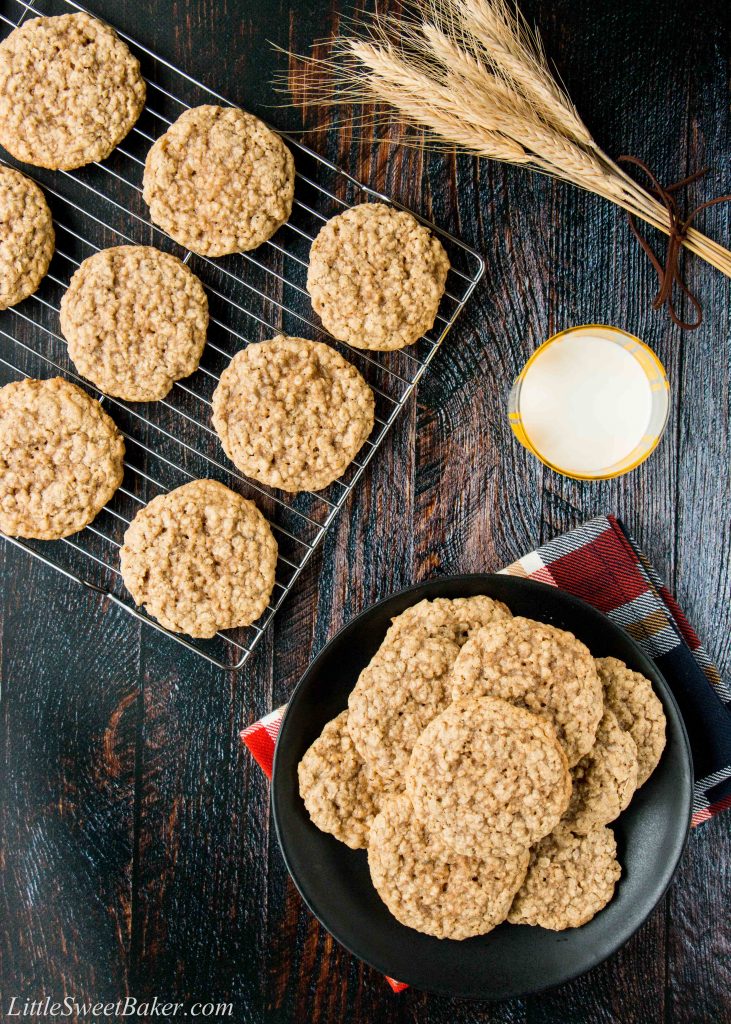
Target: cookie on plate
(638,709)
(376,277)
(488,778)
(200,558)
(292,413)
(70,90)
(341,795)
(405,686)
(539,667)
(454,618)
(428,887)
(570,879)
(219,181)
(604,780)
(135,320)
(61,458)
(27,237)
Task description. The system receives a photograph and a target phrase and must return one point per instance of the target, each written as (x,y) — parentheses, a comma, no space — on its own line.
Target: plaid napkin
(601,563)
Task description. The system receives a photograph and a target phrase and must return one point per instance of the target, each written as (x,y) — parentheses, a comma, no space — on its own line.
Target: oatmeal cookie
(404,687)
(488,778)
(292,413)
(604,780)
(638,709)
(135,320)
(341,795)
(70,90)
(219,181)
(27,237)
(60,458)
(376,277)
(539,667)
(454,618)
(200,558)
(428,887)
(570,879)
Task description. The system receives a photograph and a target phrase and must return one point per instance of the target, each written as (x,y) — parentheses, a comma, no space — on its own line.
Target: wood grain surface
(136,850)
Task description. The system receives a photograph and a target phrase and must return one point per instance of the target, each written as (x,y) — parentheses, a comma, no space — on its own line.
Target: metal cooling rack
(252,296)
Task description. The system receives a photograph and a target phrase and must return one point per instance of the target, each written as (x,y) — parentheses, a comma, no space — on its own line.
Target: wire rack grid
(251,296)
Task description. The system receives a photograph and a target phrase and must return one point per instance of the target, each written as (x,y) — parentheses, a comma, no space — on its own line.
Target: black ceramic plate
(512,960)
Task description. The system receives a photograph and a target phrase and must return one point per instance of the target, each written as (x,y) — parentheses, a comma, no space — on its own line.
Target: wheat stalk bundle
(473,77)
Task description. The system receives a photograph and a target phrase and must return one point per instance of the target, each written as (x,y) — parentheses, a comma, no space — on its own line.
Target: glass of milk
(591,403)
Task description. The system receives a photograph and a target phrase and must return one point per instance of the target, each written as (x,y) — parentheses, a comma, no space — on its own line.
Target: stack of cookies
(479,762)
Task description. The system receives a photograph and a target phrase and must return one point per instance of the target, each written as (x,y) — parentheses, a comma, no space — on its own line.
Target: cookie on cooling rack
(570,879)
(292,413)
(429,887)
(219,181)
(488,778)
(135,320)
(638,709)
(200,558)
(61,458)
(27,237)
(376,277)
(70,90)
(341,794)
(539,667)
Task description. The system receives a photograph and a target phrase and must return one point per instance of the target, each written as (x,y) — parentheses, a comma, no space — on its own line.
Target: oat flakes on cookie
(70,90)
(488,778)
(604,780)
(60,458)
(292,413)
(539,667)
(404,687)
(200,558)
(219,181)
(27,237)
(135,320)
(376,277)
(570,879)
(638,709)
(428,887)
(454,618)
(341,795)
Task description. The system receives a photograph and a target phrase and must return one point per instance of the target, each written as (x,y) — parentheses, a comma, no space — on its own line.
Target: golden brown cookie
(70,90)
(539,667)
(454,618)
(638,709)
(341,795)
(488,778)
(376,277)
(26,237)
(431,888)
(61,458)
(219,181)
(200,558)
(570,879)
(604,780)
(292,413)
(403,688)
(135,320)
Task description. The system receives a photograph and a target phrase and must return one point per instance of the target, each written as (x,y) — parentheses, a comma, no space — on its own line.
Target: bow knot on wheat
(469,75)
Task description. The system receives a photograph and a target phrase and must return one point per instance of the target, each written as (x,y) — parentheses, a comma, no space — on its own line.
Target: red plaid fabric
(600,563)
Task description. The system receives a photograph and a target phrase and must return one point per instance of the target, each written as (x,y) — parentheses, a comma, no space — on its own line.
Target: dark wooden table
(136,850)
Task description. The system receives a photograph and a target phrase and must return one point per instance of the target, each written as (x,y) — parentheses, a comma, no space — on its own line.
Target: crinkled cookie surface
(200,558)
(70,91)
(292,413)
(219,181)
(61,458)
(454,618)
(376,277)
(638,709)
(28,238)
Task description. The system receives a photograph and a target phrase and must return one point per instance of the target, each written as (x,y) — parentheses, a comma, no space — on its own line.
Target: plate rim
(416,590)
